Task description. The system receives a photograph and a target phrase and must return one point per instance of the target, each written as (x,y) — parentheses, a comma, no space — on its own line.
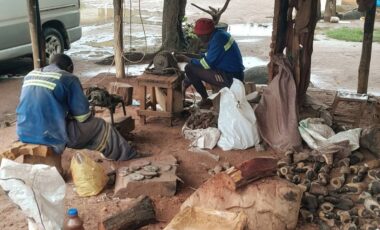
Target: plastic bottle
(73,221)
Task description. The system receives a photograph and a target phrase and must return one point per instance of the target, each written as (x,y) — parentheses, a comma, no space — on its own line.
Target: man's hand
(182,58)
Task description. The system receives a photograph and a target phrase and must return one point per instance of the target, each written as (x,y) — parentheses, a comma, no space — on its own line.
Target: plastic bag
(237,121)
(89,177)
(316,134)
(39,190)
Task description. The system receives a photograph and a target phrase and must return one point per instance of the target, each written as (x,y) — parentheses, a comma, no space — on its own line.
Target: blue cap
(72,212)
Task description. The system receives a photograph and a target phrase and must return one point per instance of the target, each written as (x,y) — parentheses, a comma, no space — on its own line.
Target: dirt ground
(155,137)
(334,66)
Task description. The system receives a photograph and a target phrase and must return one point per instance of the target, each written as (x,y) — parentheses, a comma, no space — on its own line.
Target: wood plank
(142,103)
(154,84)
(154,113)
(156,79)
(252,170)
(154,98)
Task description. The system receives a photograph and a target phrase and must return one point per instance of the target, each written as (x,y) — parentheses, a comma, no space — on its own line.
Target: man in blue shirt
(54,111)
(218,66)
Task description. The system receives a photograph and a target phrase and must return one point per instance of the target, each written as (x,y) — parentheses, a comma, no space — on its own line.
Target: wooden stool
(168,83)
(33,154)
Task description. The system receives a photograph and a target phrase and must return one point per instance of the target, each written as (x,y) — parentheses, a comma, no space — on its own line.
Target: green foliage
(188,29)
(193,42)
(351,34)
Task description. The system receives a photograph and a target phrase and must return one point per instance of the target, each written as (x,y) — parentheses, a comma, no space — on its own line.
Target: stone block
(163,185)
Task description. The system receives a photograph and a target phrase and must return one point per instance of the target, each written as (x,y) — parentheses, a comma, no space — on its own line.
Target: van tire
(54,43)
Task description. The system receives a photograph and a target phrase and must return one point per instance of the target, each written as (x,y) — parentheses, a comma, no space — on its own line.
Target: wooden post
(118,38)
(365,59)
(279,34)
(330,10)
(37,40)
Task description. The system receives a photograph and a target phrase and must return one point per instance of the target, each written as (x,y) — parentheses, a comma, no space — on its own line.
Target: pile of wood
(340,188)
(202,120)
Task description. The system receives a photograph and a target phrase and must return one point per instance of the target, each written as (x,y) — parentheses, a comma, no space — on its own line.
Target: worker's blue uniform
(223,54)
(218,66)
(47,97)
(54,111)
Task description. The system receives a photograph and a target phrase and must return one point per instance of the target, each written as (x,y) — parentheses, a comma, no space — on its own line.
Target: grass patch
(351,34)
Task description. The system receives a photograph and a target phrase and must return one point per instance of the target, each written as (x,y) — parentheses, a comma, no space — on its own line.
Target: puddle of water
(250,62)
(252,30)
(319,82)
(248,40)
(130,70)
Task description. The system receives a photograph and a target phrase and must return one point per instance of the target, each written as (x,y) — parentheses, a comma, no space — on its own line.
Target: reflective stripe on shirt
(40,83)
(45,74)
(82,118)
(228,45)
(41,79)
(204,63)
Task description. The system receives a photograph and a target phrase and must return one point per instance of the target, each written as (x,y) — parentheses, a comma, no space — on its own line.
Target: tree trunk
(365,59)
(173,38)
(330,10)
(35,29)
(297,37)
(118,38)
(279,34)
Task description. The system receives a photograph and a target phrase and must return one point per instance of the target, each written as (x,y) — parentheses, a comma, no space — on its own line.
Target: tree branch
(215,13)
(207,11)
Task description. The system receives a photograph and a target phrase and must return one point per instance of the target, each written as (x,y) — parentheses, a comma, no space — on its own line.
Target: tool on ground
(101,97)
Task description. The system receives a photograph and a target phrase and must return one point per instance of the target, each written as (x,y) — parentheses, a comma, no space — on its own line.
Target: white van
(60,21)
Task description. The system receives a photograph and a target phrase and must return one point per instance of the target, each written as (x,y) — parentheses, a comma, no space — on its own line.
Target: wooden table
(151,81)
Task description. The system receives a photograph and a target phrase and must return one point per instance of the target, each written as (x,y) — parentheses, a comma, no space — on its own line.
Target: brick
(164,185)
(21,150)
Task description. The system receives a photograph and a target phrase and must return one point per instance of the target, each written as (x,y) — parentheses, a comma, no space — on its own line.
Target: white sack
(316,134)
(202,138)
(35,189)
(237,120)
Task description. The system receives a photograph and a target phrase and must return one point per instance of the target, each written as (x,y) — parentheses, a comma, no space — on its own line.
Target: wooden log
(365,59)
(118,41)
(35,29)
(136,216)
(252,170)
